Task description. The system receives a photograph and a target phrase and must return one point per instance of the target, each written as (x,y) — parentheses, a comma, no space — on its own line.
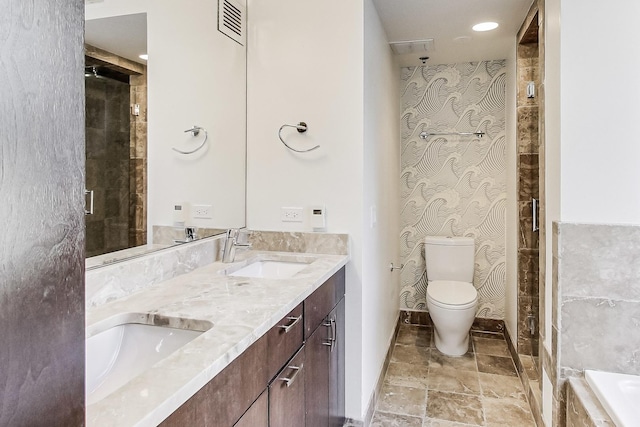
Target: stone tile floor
(424,388)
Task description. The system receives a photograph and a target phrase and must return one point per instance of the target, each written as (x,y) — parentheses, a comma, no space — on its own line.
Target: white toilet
(451,297)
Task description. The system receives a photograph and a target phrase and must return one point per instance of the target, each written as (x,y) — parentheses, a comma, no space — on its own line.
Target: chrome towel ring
(300,127)
(196,131)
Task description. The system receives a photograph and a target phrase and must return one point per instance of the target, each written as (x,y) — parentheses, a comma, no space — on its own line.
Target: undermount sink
(270,269)
(117,355)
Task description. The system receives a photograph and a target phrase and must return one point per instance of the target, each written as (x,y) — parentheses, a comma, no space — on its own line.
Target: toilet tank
(449,258)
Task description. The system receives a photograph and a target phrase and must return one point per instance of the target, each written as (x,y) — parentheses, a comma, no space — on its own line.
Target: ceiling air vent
(412,46)
(232,19)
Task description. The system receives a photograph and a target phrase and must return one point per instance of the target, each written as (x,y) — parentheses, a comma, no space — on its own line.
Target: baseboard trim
(373,400)
(422,318)
(527,384)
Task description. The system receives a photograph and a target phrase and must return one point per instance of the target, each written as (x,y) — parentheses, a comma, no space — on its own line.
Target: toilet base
(456,345)
(451,327)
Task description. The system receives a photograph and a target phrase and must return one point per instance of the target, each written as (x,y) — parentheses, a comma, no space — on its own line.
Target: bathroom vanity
(274,354)
(267,384)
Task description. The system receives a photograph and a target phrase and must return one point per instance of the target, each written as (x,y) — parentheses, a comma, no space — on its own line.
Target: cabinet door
(318,351)
(257,415)
(318,305)
(286,394)
(336,367)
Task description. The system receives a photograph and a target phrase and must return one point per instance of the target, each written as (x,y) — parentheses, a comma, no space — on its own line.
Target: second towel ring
(195,130)
(301,128)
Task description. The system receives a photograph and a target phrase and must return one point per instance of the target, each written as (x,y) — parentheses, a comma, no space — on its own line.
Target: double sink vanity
(224,344)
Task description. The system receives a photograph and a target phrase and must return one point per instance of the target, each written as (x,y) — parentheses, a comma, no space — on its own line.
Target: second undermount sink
(120,353)
(270,269)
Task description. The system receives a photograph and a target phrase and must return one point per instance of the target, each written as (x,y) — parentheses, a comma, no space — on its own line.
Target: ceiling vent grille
(232,20)
(412,46)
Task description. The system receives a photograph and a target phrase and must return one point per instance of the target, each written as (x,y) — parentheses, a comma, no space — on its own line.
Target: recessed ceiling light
(144,56)
(485,26)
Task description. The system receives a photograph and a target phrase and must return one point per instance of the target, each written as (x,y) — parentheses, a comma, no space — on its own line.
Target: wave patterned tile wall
(454,185)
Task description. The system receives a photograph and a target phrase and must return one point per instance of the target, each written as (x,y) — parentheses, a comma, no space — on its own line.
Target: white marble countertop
(241,310)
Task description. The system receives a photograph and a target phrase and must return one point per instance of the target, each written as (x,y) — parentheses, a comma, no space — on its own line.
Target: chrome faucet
(231,242)
(190,234)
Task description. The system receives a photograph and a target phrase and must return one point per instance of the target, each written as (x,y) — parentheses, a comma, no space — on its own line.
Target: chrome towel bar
(425,135)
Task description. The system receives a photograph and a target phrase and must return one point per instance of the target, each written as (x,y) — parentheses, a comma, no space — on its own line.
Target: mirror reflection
(116,133)
(144,193)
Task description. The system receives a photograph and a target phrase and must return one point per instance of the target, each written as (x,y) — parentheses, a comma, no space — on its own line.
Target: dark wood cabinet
(318,305)
(324,396)
(318,354)
(286,394)
(223,400)
(258,414)
(281,380)
(284,339)
(337,367)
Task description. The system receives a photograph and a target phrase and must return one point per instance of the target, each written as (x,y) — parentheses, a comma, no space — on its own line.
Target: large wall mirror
(138,116)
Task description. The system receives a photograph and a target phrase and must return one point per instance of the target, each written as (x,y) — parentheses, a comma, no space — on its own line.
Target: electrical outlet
(202,211)
(291,214)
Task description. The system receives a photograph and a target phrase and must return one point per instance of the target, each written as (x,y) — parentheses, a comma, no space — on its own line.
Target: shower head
(91,71)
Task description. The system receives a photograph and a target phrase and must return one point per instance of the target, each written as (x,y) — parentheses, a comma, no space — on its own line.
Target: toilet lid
(451,292)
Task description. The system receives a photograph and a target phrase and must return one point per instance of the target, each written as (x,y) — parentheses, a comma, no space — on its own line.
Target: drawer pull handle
(334,333)
(331,323)
(290,325)
(291,380)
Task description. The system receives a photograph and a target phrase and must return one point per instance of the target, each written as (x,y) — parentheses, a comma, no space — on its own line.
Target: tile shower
(528,189)
(107,164)
(530,186)
(116,151)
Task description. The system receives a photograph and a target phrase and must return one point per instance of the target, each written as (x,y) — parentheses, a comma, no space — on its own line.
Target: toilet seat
(451,294)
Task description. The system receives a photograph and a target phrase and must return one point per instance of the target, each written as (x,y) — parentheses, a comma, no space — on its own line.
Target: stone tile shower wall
(454,185)
(138,163)
(527,189)
(107,164)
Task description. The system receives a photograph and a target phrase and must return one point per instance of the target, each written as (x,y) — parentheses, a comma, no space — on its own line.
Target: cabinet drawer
(223,400)
(284,339)
(286,394)
(322,301)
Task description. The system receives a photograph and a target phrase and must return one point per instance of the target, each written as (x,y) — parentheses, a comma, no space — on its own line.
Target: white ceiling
(123,35)
(446,20)
(441,20)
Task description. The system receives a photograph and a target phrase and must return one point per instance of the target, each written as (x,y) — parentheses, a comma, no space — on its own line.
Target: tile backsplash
(119,279)
(319,243)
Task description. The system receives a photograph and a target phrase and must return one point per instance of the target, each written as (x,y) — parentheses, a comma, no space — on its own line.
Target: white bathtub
(619,395)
